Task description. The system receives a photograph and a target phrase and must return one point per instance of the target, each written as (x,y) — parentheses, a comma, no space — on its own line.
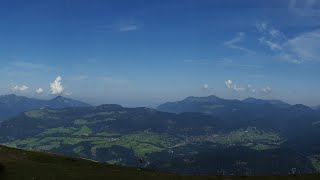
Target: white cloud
(205,87)
(229,84)
(299,49)
(266,90)
(56,86)
(274,33)
(274,46)
(268,30)
(262,27)
(271,37)
(304,47)
(39,91)
(20,88)
(234,43)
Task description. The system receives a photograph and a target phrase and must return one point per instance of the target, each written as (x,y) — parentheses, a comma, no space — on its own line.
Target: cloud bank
(266,90)
(229,84)
(249,89)
(39,91)
(298,49)
(20,88)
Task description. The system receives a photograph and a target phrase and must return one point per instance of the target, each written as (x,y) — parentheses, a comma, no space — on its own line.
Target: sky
(147,52)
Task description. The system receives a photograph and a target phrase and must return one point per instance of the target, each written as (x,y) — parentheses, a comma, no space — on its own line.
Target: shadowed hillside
(19,164)
(12,105)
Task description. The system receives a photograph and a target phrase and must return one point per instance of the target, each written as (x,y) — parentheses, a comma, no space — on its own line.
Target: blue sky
(143,53)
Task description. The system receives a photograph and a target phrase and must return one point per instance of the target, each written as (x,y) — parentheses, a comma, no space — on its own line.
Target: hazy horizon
(146,105)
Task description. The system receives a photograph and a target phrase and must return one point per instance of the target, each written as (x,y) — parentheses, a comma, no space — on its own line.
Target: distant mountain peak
(250,99)
(11,105)
(60,101)
(60,98)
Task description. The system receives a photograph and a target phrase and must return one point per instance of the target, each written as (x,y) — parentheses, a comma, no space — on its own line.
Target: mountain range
(212,104)
(265,114)
(11,105)
(198,135)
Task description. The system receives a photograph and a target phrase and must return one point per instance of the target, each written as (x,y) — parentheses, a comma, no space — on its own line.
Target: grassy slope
(19,164)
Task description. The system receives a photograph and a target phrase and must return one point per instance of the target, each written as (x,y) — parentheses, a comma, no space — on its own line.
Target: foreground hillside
(20,164)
